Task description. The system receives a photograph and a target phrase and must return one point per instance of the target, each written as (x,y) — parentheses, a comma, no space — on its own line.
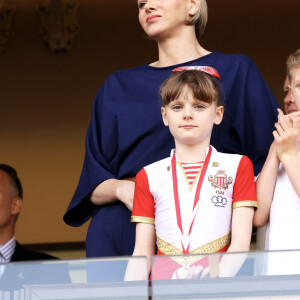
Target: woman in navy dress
(126,131)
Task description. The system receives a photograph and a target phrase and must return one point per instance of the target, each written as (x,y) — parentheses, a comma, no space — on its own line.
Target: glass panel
(268,275)
(74,279)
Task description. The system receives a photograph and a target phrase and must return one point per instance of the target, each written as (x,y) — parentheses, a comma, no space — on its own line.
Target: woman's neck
(179,49)
(191,153)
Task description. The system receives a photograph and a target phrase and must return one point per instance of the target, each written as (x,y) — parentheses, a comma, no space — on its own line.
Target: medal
(197,194)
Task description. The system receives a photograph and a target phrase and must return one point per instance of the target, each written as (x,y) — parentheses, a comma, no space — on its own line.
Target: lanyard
(197,194)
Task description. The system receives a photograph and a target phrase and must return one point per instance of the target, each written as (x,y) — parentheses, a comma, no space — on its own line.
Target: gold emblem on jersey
(220,180)
(215,164)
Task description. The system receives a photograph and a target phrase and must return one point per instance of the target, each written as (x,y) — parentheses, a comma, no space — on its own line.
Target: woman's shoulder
(127,72)
(122,77)
(232,59)
(127,83)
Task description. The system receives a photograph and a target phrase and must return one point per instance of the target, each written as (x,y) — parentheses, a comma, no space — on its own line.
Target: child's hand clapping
(287,136)
(289,117)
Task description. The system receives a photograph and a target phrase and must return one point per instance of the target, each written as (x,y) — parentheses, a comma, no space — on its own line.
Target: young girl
(198,200)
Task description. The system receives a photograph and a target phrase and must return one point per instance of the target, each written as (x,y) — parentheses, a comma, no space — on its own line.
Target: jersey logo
(220,180)
(219,201)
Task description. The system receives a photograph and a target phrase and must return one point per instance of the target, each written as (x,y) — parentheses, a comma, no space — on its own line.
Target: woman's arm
(144,246)
(112,190)
(265,185)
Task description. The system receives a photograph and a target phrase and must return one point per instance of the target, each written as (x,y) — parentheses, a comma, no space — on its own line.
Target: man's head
(288,100)
(293,71)
(11,194)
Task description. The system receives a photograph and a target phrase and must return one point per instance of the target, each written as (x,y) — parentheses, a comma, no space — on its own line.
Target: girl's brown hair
(202,85)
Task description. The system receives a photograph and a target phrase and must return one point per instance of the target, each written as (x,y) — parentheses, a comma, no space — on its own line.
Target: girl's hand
(288,117)
(191,272)
(200,272)
(286,136)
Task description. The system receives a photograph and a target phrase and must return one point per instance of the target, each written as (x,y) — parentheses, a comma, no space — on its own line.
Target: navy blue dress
(126,133)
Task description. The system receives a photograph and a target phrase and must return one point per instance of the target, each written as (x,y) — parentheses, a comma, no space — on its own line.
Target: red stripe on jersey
(191,170)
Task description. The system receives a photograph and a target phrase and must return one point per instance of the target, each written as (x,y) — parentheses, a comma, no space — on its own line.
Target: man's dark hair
(14,180)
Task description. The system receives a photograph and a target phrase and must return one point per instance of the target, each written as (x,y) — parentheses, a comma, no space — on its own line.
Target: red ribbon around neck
(197,194)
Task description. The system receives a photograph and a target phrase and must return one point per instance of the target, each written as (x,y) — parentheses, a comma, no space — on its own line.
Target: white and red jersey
(225,182)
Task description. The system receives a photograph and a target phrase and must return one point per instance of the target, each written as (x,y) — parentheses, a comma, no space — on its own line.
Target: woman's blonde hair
(200,18)
(293,62)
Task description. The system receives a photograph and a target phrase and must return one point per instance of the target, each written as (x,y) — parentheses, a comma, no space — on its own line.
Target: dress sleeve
(143,203)
(101,146)
(244,193)
(258,113)
(250,113)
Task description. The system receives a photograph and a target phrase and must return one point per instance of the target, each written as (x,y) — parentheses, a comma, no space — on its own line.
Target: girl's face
(161,19)
(191,120)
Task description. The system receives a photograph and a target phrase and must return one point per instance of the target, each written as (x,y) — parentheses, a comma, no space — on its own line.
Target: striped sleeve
(244,193)
(143,203)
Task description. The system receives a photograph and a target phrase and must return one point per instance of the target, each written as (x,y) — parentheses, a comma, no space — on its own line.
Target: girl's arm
(144,246)
(242,218)
(265,185)
(287,139)
(284,148)
(241,229)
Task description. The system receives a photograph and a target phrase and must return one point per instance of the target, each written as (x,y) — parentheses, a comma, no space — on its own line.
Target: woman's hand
(112,190)
(125,191)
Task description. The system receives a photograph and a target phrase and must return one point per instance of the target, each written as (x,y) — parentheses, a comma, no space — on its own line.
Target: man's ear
(219,114)
(16,205)
(164,116)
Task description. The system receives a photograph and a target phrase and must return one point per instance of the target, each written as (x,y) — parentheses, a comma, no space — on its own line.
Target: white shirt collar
(7,250)
(173,151)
